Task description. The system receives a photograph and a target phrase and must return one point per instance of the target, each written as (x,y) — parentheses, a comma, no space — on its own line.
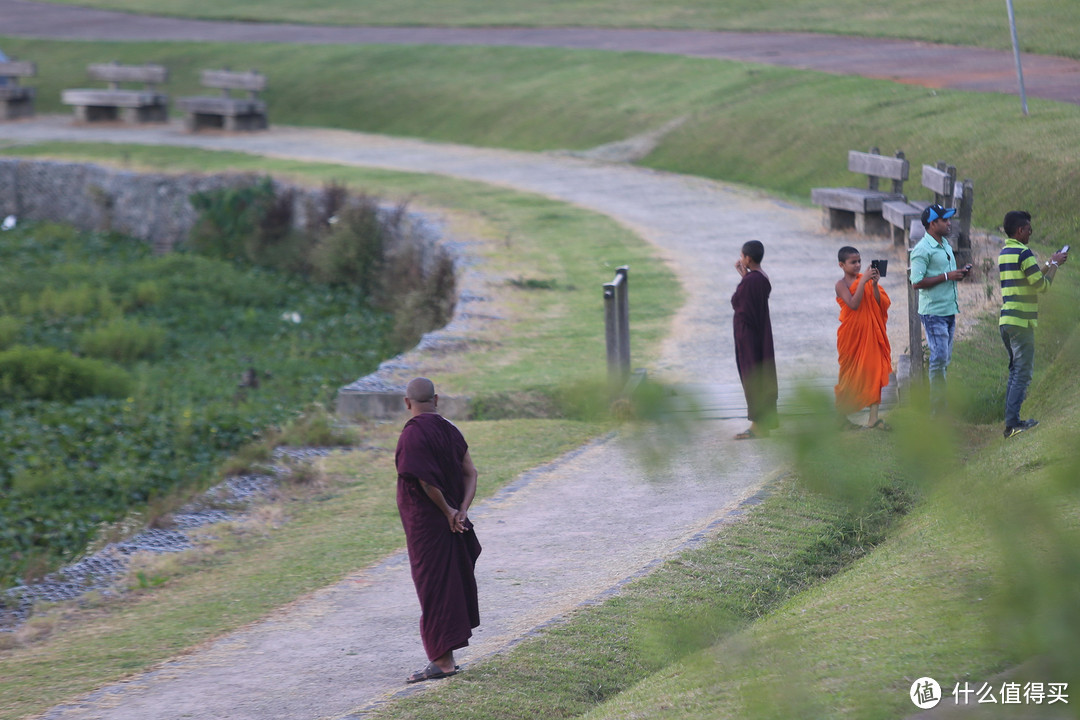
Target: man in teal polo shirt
(934,275)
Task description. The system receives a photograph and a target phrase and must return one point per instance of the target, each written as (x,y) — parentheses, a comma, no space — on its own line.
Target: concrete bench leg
(872,224)
(833,219)
(15,108)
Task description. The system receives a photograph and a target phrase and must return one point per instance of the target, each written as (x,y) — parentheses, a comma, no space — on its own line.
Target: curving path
(906,61)
(549,545)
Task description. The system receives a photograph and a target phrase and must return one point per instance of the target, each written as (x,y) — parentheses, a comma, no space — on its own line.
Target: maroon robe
(432,449)
(754,354)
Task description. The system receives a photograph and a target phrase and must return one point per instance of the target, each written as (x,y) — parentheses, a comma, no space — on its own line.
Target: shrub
(316,427)
(145,294)
(354,251)
(428,304)
(10,327)
(82,300)
(49,374)
(229,218)
(122,341)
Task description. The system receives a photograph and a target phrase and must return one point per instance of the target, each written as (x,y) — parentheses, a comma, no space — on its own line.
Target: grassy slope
(1045,26)
(981,578)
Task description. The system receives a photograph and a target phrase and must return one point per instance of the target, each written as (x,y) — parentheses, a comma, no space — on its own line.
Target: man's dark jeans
(939,339)
(1020,344)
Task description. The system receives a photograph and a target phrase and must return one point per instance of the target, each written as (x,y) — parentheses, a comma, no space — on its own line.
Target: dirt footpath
(550,541)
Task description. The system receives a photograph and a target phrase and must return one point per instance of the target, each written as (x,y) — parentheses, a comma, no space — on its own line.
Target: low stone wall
(154,207)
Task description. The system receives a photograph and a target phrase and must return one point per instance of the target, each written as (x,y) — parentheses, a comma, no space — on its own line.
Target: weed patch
(84,441)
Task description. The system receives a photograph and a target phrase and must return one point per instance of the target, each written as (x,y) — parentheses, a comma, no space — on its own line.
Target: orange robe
(863,347)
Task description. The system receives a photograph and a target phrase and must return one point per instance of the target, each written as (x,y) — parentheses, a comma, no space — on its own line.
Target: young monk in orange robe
(861,340)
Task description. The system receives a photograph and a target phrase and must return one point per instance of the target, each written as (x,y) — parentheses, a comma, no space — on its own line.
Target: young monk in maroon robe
(862,342)
(754,354)
(436,485)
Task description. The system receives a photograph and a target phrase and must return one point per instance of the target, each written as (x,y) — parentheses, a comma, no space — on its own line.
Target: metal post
(1016,54)
(611,331)
(963,240)
(622,303)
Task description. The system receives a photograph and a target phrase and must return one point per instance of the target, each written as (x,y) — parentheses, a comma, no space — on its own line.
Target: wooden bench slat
(16,92)
(221,106)
(878,165)
(230,80)
(17,68)
(900,214)
(111,72)
(116,98)
(856,200)
(938,181)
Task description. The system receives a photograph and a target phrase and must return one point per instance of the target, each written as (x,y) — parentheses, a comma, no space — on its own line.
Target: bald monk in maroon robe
(436,485)
(754,354)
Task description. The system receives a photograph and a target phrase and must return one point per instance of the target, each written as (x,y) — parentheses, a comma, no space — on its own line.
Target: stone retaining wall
(154,207)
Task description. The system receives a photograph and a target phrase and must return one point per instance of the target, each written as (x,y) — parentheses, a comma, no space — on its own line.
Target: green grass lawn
(1045,26)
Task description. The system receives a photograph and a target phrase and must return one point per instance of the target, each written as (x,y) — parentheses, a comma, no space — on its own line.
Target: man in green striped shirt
(1022,278)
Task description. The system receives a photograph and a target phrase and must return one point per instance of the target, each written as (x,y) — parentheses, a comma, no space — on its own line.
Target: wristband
(945,276)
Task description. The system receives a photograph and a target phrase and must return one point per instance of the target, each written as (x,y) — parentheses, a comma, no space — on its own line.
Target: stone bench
(224,111)
(116,103)
(860,208)
(16,101)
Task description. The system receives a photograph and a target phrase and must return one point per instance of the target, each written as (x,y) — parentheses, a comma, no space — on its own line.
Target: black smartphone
(1065,249)
(882,266)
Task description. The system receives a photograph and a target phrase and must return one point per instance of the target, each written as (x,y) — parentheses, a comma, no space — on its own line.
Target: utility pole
(1016,54)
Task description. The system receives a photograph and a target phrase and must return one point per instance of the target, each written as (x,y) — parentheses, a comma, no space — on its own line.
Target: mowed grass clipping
(1045,26)
(778,129)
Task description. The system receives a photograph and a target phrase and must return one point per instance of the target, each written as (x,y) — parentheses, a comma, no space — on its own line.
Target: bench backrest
(941,181)
(17,68)
(114,73)
(227,80)
(876,166)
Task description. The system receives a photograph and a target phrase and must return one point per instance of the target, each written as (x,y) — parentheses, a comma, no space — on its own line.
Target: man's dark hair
(846,252)
(1014,220)
(754,250)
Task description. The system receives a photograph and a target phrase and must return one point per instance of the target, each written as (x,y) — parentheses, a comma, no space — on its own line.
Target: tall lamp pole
(1016,54)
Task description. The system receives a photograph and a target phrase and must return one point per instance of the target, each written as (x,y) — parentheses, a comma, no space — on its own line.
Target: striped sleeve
(1021,281)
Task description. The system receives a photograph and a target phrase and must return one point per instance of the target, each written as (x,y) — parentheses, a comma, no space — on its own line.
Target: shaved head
(420,390)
